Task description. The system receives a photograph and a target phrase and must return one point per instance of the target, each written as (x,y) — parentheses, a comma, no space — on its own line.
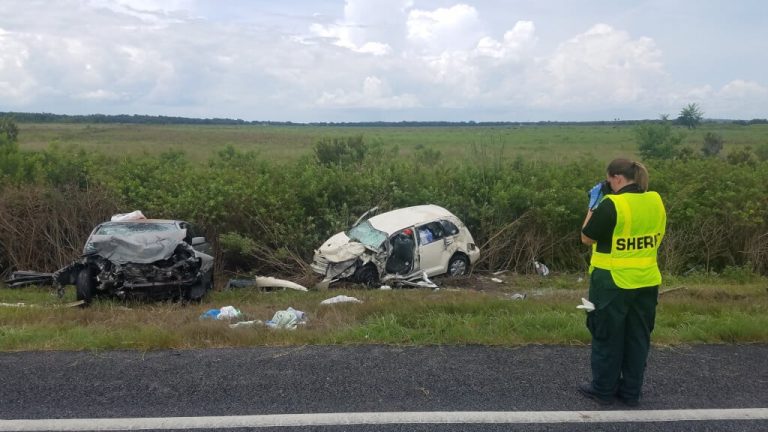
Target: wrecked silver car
(398,246)
(146,258)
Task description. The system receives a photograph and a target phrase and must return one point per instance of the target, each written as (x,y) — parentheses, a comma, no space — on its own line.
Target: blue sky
(385,60)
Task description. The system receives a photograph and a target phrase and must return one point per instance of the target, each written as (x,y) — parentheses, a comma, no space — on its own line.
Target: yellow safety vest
(640,224)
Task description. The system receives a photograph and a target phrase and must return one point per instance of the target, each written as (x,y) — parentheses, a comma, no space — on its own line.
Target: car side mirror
(197,241)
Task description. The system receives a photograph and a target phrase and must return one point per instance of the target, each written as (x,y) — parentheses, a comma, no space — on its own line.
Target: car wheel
(367,275)
(458,265)
(85,285)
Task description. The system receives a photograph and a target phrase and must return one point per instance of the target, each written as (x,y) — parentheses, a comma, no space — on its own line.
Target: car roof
(395,220)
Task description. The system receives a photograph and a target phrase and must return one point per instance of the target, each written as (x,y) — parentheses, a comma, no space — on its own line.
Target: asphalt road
(312,379)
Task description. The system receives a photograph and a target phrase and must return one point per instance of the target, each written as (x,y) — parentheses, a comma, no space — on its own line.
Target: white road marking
(380,418)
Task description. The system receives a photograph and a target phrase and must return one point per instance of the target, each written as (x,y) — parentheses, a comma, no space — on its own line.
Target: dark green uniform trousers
(621,327)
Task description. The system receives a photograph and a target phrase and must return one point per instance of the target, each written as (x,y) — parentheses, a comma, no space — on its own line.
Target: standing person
(624,225)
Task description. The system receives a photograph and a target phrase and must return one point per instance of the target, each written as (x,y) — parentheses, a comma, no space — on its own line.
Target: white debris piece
(586,305)
(541,269)
(497,280)
(270,282)
(134,215)
(340,299)
(228,313)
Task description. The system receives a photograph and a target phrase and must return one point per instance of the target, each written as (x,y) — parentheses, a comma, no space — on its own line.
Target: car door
(432,248)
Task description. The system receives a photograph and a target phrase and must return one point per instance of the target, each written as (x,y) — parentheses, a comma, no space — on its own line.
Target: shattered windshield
(131,228)
(366,234)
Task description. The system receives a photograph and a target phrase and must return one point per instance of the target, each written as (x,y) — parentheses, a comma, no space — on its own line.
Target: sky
(386,60)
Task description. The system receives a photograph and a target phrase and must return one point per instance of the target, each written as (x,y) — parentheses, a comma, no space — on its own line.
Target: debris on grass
(340,299)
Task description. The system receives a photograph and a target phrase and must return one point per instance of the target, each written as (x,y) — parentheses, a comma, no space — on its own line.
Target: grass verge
(700,311)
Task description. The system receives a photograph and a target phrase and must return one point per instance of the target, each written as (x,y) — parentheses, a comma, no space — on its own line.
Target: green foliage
(9,132)
(713,143)
(690,116)
(658,141)
(743,156)
(762,152)
(266,215)
(341,151)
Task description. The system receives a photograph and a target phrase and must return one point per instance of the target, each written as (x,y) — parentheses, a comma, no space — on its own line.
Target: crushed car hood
(339,249)
(140,248)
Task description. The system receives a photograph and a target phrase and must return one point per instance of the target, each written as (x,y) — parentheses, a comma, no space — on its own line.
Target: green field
(546,143)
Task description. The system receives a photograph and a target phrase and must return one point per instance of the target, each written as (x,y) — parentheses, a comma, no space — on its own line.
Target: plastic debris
(497,280)
(342,299)
(287,319)
(243,324)
(229,312)
(225,313)
(541,269)
(385,287)
(516,296)
(586,305)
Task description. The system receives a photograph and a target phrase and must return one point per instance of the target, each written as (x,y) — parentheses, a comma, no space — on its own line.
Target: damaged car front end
(152,259)
(399,246)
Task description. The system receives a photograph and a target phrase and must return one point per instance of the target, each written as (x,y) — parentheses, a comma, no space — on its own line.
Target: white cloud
(462,59)
(443,29)
(515,42)
(374,93)
(738,89)
(600,66)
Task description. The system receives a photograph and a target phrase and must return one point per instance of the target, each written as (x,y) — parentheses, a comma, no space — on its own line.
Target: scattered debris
(340,299)
(497,280)
(225,313)
(287,319)
(263,282)
(24,278)
(385,287)
(541,269)
(243,324)
(681,287)
(21,305)
(586,305)
(499,272)
(134,215)
(516,296)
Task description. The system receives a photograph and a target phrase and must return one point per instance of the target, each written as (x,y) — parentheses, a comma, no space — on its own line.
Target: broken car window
(450,228)
(366,234)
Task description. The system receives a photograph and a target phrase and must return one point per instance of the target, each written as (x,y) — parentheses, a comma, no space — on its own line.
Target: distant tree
(690,116)
(664,117)
(658,141)
(713,143)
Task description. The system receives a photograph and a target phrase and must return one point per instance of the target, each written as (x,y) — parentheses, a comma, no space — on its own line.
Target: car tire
(85,285)
(367,275)
(193,294)
(458,265)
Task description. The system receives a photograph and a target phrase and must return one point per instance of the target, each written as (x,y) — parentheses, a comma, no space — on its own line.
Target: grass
(282,143)
(697,312)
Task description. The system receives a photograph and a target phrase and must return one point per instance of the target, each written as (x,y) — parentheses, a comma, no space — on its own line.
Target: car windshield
(131,228)
(366,234)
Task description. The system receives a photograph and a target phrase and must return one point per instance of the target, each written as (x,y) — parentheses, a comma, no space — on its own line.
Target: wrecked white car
(146,258)
(399,245)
